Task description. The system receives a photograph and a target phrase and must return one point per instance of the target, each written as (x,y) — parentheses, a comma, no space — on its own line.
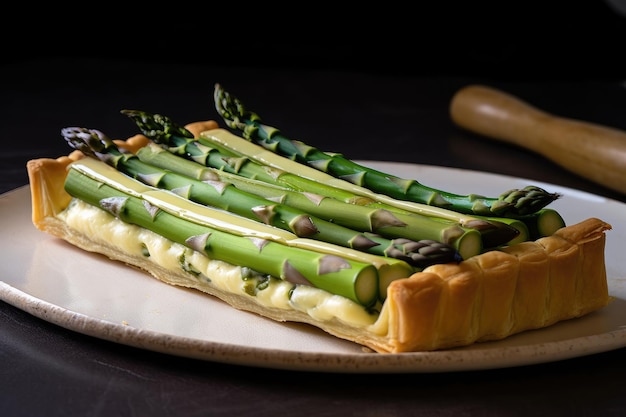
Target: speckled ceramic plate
(89,294)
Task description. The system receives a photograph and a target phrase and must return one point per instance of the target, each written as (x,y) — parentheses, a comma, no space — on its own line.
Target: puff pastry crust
(487,297)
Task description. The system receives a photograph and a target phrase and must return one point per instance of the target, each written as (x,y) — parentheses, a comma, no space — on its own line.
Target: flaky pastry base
(491,296)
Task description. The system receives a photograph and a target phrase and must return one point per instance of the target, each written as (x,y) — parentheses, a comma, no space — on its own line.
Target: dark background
(527,40)
(80,66)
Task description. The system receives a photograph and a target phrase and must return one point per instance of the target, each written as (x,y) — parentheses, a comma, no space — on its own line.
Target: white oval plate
(90,294)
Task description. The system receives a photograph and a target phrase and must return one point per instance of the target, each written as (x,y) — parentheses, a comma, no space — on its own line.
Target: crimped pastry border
(488,297)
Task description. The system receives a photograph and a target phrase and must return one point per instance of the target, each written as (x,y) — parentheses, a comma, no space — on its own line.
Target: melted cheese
(263,156)
(219,219)
(134,240)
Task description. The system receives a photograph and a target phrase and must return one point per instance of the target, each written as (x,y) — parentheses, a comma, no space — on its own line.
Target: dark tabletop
(395,112)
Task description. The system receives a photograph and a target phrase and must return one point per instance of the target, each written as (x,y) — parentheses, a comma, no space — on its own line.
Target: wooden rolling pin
(595,152)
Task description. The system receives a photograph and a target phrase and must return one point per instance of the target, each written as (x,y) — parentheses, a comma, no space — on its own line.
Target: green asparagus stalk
(494,233)
(543,223)
(519,225)
(226,196)
(389,269)
(376,220)
(181,142)
(534,226)
(354,280)
(515,202)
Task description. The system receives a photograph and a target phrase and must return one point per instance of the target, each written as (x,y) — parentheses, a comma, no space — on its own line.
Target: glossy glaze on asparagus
(237,186)
(448,227)
(223,195)
(355,280)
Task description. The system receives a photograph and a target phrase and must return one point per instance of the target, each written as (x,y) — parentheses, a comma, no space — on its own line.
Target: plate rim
(367,362)
(451,360)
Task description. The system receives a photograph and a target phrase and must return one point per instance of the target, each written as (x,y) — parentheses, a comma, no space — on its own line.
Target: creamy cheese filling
(273,292)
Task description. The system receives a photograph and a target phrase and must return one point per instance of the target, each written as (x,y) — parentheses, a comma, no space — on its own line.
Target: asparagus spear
(543,223)
(436,239)
(389,269)
(494,233)
(516,202)
(534,226)
(355,280)
(519,225)
(180,141)
(226,196)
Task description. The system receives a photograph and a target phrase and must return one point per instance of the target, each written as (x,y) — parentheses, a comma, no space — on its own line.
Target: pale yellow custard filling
(136,241)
